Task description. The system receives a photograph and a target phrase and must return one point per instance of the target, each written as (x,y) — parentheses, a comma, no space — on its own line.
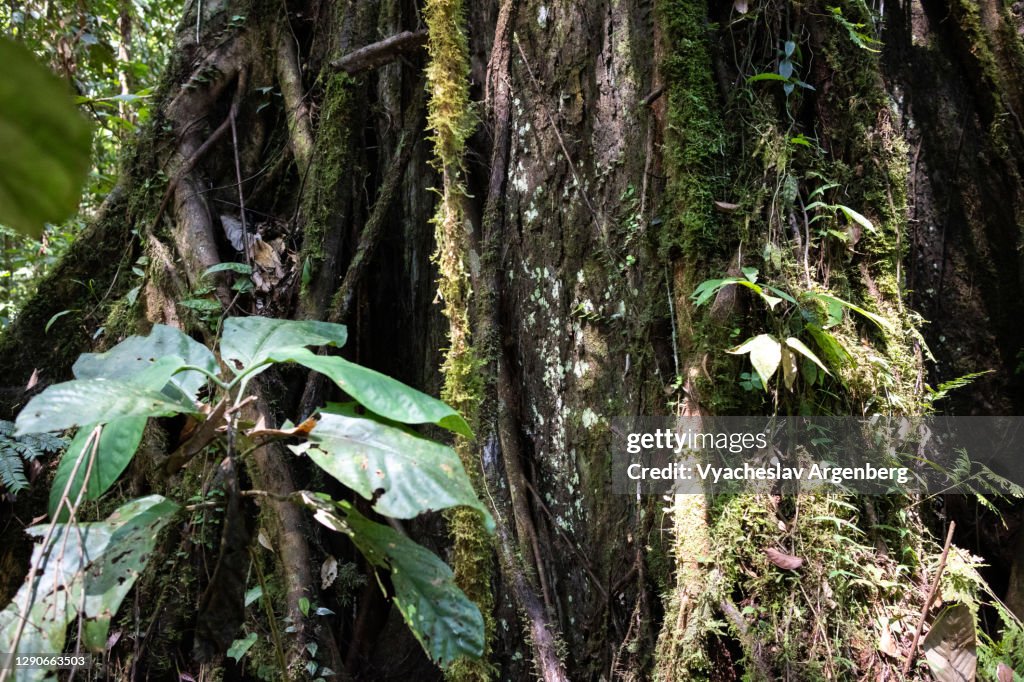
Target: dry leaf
(32,380)
(261,430)
(725,206)
(233,231)
(950,646)
(782,560)
(886,644)
(328,572)
(264,540)
(740,6)
(1004,673)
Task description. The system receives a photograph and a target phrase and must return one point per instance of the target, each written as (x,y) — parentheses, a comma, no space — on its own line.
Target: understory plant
(85,569)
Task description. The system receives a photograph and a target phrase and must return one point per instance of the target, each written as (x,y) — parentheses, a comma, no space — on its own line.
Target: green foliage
(856,31)
(400,473)
(447,625)
(248,342)
(786,72)
(811,311)
(111,54)
(44,143)
(414,473)
(16,450)
(81,570)
(380,394)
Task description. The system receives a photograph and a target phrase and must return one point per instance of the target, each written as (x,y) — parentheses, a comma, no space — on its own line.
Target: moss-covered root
(681,654)
(451,121)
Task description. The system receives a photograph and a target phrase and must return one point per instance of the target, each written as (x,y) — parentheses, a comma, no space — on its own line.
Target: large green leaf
(835,300)
(705,290)
(136,353)
(248,341)
(85,564)
(110,576)
(446,623)
(118,442)
(765,355)
(94,401)
(415,474)
(377,392)
(44,144)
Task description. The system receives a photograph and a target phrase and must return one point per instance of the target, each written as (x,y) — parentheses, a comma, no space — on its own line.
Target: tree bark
(573,214)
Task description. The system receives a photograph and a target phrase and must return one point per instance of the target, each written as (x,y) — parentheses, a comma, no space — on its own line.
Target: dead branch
(380,53)
(912,654)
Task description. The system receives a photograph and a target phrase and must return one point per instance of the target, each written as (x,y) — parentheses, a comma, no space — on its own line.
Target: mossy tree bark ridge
(510,204)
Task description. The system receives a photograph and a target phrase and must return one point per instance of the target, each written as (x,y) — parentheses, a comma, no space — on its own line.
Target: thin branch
(378,54)
(912,654)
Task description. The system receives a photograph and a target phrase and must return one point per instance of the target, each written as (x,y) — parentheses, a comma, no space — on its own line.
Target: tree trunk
(524,240)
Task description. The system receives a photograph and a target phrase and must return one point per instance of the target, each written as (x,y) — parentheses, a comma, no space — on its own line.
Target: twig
(561,533)
(198,154)
(238,168)
(928,602)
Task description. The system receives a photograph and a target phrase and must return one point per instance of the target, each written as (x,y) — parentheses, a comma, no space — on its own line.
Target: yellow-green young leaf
(857,218)
(378,392)
(877,319)
(765,355)
(799,346)
(44,144)
(415,474)
(249,341)
(445,622)
(789,368)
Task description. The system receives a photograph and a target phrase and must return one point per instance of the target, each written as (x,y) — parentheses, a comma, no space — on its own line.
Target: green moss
(451,121)
(449,115)
(332,161)
(696,140)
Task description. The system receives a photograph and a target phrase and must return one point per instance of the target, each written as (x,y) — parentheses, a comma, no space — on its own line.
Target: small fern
(15,451)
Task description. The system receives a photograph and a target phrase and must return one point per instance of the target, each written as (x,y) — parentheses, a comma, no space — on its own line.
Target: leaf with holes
(109,577)
(89,566)
(445,622)
(378,392)
(416,475)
